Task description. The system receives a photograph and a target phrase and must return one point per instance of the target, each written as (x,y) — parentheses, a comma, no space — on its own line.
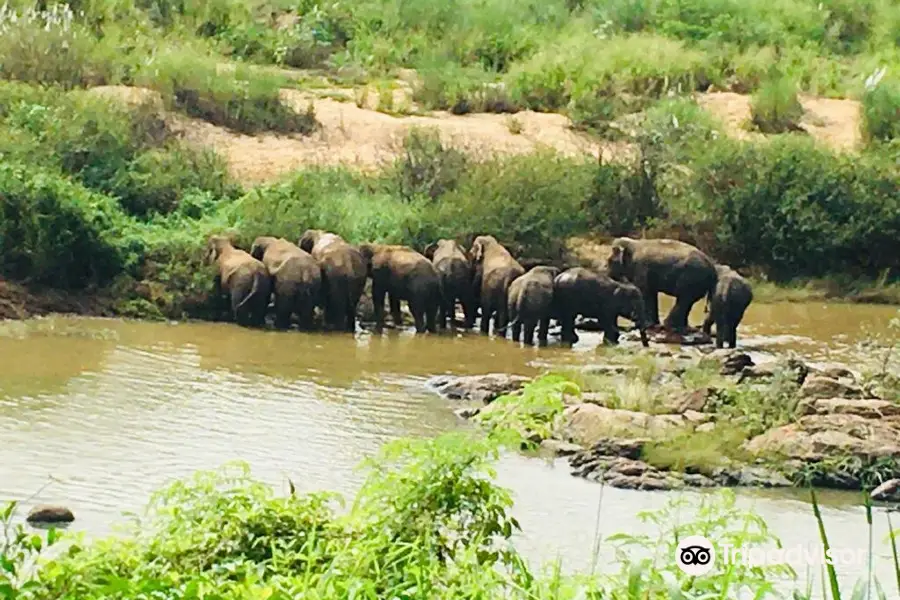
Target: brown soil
(833,122)
(20,302)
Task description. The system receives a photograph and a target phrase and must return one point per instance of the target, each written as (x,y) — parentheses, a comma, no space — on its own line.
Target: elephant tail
(257,279)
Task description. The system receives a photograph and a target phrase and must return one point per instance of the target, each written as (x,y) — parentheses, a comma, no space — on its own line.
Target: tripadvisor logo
(695,555)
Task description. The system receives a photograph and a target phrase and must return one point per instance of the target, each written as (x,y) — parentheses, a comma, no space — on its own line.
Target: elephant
(455,270)
(403,274)
(343,276)
(244,278)
(581,291)
(530,302)
(725,306)
(296,279)
(495,270)
(663,265)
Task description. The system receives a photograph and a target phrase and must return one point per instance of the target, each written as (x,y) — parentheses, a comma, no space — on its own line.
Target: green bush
(49,47)
(126,152)
(775,107)
(242,100)
(56,232)
(798,209)
(881,111)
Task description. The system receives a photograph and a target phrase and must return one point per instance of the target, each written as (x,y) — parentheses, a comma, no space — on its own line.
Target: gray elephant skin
(296,279)
(496,269)
(530,304)
(726,305)
(663,265)
(244,279)
(582,291)
(403,274)
(343,276)
(454,267)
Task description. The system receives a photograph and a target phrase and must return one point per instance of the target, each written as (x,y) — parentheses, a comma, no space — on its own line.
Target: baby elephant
(581,291)
(296,279)
(725,305)
(530,302)
(244,278)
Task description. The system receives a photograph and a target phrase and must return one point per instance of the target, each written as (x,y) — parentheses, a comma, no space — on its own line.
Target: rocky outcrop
(820,386)
(588,423)
(48,513)
(814,438)
(478,388)
(889,491)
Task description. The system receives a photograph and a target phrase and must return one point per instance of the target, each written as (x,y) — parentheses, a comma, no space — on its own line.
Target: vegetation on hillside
(136,201)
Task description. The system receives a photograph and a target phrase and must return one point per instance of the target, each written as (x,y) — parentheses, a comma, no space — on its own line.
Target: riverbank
(429,522)
(695,417)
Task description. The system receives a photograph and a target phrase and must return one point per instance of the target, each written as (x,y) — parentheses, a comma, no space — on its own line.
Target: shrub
(125,152)
(245,101)
(775,107)
(798,209)
(56,232)
(426,166)
(881,111)
(48,47)
(460,90)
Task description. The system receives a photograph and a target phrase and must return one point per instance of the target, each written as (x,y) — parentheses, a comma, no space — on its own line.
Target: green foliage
(758,409)
(241,100)
(56,232)
(881,111)
(775,107)
(533,412)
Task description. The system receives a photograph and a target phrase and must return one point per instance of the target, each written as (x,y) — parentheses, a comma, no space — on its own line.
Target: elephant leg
(442,313)
(611,332)
(721,331)
(708,322)
(396,315)
(431,311)
(501,321)
(543,331)
(651,306)
(530,326)
(378,294)
(487,312)
(567,321)
(678,316)
(417,308)
(517,331)
(469,309)
(284,307)
(306,313)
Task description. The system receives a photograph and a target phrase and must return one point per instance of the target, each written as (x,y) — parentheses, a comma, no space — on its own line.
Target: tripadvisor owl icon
(695,555)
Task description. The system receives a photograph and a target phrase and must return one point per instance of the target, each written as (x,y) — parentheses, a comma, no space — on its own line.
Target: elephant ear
(430,250)
(477,251)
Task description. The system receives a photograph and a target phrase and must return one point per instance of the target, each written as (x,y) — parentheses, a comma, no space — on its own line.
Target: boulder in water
(478,388)
(888,491)
(49,513)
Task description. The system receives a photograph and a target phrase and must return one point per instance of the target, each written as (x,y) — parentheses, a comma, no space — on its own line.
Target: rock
(760,477)
(736,362)
(697,480)
(693,416)
(755,374)
(870,409)
(467,413)
(816,437)
(659,335)
(618,447)
(560,448)
(629,474)
(609,369)
(839,373)
(587,423)
(889,491)
(819,386)
(705,428)
(49,513)
(478,388)
(690,400)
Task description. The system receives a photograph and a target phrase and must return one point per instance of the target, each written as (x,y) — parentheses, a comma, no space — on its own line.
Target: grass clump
(775,107)
(245,101)
(881,111)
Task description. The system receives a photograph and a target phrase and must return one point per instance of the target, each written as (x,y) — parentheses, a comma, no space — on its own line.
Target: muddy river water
(108,411)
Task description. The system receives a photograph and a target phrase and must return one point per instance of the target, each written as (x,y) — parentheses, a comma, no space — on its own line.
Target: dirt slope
(366,138)
(831,121)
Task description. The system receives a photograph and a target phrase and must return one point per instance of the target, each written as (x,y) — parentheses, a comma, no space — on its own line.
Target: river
(107,411)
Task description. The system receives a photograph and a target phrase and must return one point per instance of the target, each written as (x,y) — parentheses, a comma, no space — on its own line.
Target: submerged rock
(478,388)
(561,448)
(49,513)
(660,335)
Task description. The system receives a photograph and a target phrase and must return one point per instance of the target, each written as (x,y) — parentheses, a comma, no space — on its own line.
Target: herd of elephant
(323,270)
